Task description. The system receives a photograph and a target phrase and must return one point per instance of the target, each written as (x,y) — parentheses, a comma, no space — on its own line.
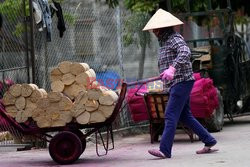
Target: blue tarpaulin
(109,79)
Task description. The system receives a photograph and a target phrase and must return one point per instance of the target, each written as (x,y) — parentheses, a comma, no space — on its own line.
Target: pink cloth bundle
(203,97)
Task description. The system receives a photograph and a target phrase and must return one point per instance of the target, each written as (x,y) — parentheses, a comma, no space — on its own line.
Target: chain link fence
(94,35)
(13,61)
(13,46)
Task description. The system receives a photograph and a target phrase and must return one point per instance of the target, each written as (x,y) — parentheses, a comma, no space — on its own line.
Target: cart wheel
(80,135)
(65,148)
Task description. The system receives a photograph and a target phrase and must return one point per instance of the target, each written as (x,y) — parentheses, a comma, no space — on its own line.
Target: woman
(176,71)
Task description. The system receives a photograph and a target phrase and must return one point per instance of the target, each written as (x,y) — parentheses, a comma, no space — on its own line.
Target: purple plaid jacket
(175,52)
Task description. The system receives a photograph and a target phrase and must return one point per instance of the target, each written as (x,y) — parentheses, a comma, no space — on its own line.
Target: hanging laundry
(56,8)
(42,6)
(37,11)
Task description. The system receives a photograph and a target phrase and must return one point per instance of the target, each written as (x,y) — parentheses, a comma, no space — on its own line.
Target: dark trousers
(178,109)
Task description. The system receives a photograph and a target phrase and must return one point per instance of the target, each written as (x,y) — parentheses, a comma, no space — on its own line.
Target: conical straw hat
(162,19)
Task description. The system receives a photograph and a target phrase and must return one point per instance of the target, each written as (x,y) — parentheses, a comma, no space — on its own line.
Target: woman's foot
(207,149)
(156,153)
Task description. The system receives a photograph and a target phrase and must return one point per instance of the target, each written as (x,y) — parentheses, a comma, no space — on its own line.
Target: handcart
(155,105)
(67,146)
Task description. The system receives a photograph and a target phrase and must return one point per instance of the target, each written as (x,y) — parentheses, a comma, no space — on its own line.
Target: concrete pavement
(233,145)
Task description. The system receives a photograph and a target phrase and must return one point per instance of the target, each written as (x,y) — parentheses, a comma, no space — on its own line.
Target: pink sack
(137,105)
(197,76)
(3,122)
(203,98)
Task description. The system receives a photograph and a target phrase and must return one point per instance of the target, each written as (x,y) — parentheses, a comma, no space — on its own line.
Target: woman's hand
(168,74)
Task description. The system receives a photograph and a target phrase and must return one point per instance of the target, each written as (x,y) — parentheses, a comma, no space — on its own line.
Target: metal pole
(46,79)
(26,41)
(229,4)
(169,7)
(119,40)
(120,55)
(208,26)
(32,48)
(209,5)
(188,5)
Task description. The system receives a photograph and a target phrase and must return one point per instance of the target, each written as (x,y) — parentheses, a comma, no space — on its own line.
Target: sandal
(206,150)
(156,153)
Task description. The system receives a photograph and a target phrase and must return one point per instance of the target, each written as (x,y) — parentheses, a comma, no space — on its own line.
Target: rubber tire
(65,147)
(83,140)
(216,121)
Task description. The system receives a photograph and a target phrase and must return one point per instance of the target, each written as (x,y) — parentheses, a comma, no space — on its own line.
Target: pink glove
(168,74)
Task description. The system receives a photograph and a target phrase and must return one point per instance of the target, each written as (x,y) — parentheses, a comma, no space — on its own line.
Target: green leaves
(20,28)
(199,5)
(144,6)
(11,9)
(58,1)
(71,19)
(179,6)
(136,5)
(242,19)
(111,3)
(133,30)
(128,39)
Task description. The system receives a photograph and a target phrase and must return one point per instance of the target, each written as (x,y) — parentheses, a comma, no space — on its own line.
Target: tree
(178,6)
(134,35)
(145,8)
(134,24)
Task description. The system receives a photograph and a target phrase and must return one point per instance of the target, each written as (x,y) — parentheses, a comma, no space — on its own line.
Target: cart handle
(143,81)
